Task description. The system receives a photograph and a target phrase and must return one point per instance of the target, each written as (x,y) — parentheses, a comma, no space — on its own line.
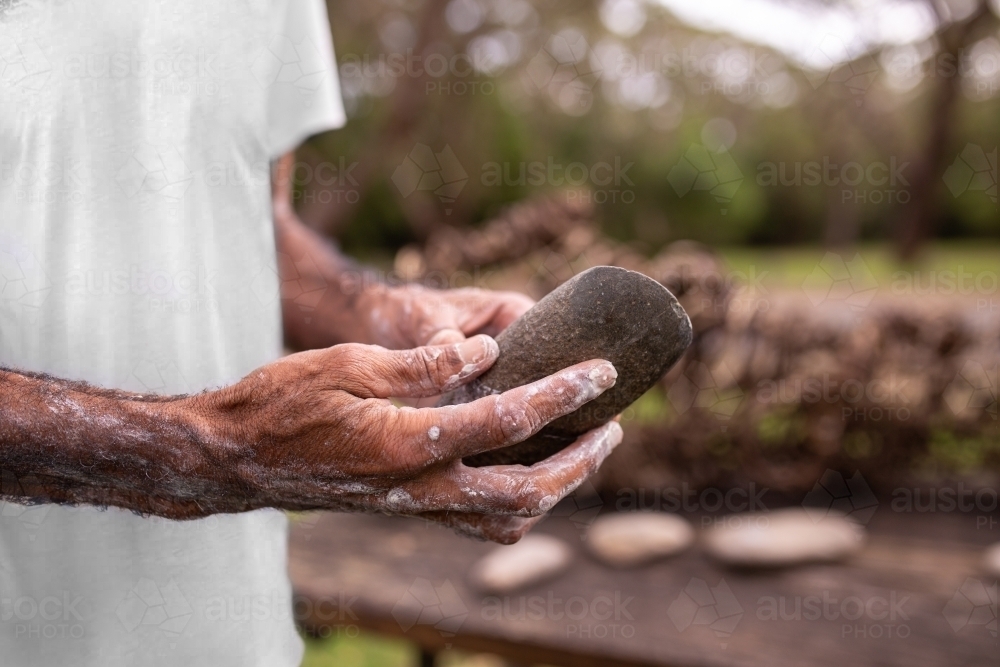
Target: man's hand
(335,300)
(410,315)
(315,431)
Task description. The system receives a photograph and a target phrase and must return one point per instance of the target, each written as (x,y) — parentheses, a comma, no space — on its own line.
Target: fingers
(512,306)
(501,529)
(458,313)
(447,337)
(369,371)
(505,419)
(510,490)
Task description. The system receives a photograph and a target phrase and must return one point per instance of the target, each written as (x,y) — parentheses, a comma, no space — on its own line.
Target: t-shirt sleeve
(303,91)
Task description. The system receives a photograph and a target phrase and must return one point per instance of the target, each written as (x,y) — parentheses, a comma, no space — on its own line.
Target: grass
(363,650)
(790,267)
(785,268)
(369,650)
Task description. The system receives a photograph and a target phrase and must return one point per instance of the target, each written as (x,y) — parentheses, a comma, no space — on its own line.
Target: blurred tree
(479,96)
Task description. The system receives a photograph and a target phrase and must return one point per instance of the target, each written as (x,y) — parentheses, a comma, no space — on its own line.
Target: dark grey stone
(603,313)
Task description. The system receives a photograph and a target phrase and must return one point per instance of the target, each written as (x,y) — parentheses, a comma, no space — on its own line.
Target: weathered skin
(605,312)
(315,430)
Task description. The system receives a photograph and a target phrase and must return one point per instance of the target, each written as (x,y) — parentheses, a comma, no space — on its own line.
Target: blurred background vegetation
(529,140)
(504,84)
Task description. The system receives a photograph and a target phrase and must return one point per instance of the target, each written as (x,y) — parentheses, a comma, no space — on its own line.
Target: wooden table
(404,578)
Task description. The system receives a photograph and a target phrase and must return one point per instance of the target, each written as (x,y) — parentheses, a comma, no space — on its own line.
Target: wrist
(217,424)
(382,312)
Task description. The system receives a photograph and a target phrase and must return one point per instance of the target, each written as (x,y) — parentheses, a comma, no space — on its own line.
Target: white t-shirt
(137,252)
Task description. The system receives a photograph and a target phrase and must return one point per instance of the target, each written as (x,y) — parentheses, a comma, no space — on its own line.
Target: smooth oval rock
(603,313)
(782,538)
(534,559)
(629,539)
(991,560)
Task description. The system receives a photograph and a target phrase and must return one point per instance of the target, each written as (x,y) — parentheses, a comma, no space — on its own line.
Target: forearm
(327,297)
(67,442)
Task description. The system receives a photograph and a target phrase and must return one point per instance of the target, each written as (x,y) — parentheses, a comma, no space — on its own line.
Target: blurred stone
(534,559)
(629,539)
(991,560)
(603,313)
(783,538)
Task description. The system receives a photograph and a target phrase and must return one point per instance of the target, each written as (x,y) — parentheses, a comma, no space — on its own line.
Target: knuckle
(439,363)
(513,420)
(429,366)
(347,354)
(401,454)
(533,500)
(404,458)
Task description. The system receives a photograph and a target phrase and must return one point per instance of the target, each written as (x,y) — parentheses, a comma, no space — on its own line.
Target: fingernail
(477,349)
(603,376)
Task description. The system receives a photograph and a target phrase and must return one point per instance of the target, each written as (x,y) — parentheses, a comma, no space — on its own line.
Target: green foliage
(954,452)
(503,116)
(361,651)
(649,409)
(780,428)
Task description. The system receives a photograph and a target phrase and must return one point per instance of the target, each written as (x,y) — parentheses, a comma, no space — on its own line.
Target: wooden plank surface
(885,607)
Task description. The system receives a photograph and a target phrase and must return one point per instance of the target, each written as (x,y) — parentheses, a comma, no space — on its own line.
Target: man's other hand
(411,315)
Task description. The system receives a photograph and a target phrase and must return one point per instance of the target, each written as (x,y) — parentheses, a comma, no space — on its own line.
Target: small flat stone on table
(991,560)
(532,560)
(628,539)
(783,538)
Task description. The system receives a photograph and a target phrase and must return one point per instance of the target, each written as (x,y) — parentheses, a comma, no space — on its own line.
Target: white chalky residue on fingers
(548,502)
(399,500)
(467,370)
(459,378)
(434,432)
